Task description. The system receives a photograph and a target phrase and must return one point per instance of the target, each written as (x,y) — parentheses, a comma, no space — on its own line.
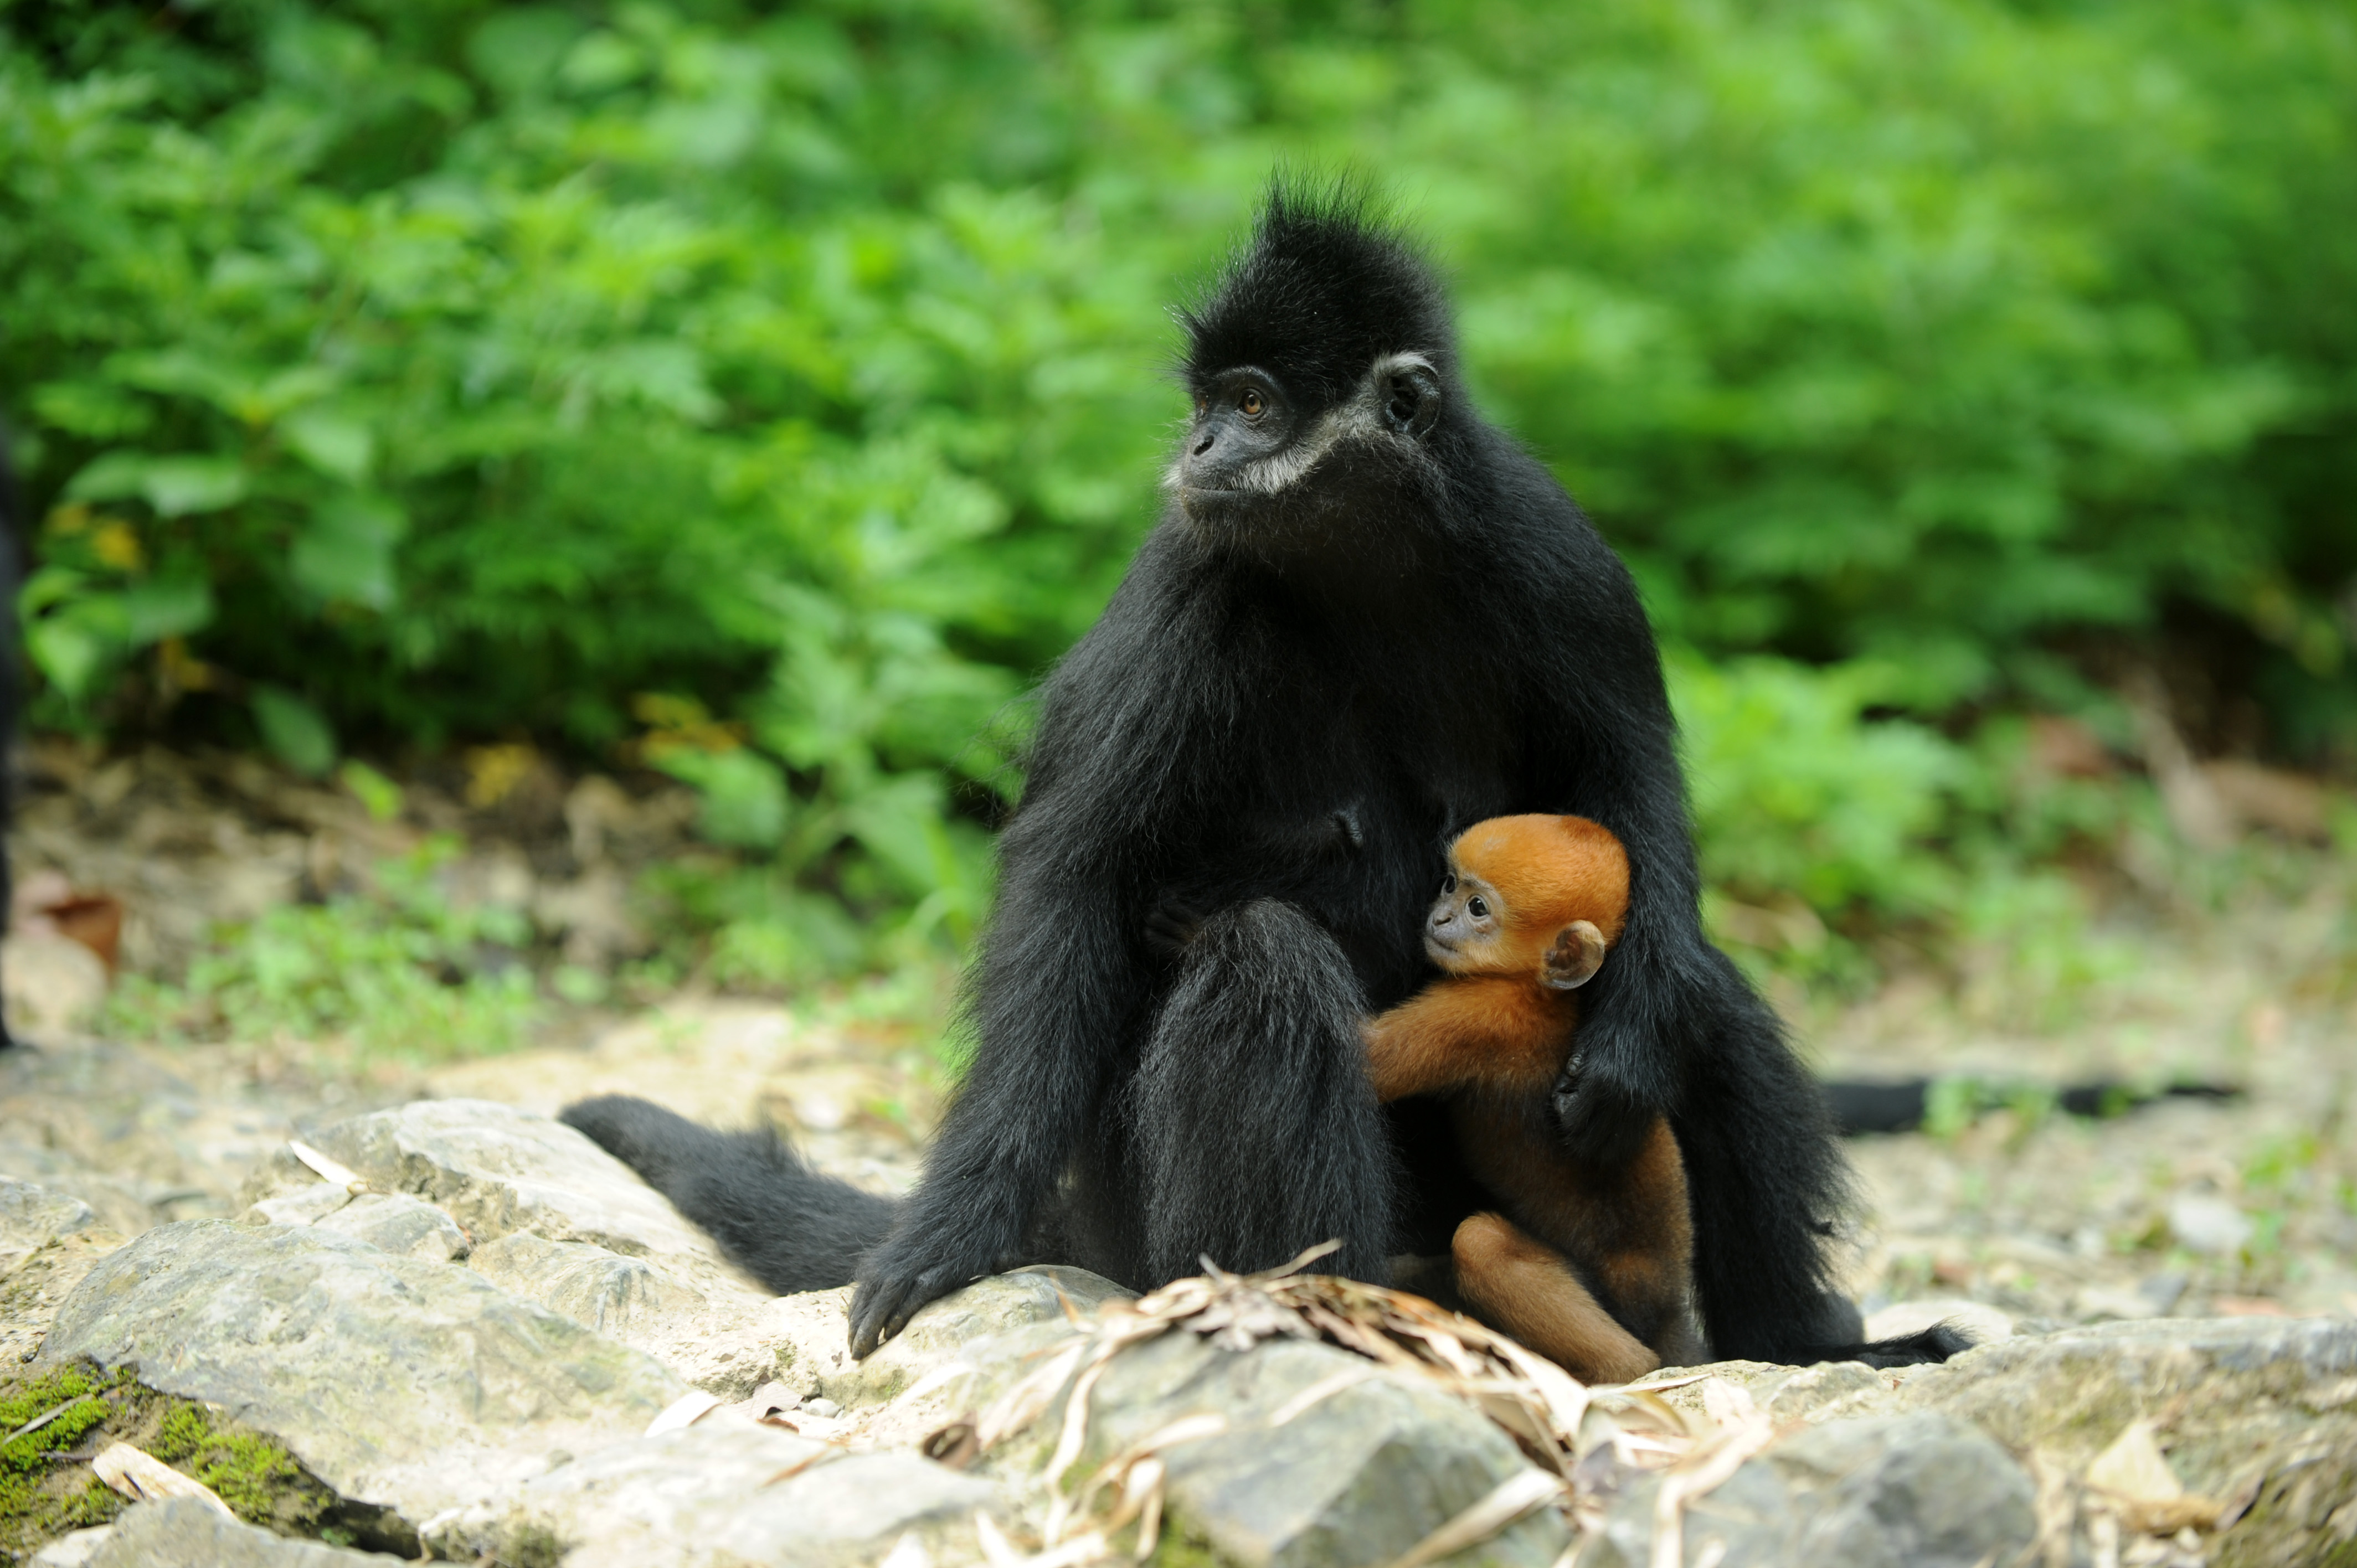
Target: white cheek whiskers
(1360,419)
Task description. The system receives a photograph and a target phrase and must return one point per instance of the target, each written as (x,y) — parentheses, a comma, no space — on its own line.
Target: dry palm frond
(1588,1442)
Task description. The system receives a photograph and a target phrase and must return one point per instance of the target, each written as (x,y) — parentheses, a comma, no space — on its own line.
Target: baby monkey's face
(1467,930)
(1473,930)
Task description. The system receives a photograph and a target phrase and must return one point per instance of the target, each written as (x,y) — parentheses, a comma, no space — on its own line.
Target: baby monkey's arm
(1492,1030)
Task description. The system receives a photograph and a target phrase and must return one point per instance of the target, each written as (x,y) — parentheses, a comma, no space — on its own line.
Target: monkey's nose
(1205,444)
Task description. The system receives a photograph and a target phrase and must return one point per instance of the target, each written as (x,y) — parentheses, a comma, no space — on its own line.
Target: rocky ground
(461,1320)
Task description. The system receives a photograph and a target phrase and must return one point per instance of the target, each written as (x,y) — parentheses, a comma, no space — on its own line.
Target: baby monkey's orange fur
(1591,1267)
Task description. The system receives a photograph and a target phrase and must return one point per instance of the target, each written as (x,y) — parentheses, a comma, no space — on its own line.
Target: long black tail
(792,1228)
(1842,1338)
(1900,1105)
(1766,1179)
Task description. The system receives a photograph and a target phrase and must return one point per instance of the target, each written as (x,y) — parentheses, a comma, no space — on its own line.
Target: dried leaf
(2134,1468)
(1702,1469)
(1512,1498)
(1068,1447)
(140,1477)
(683,1412)
(1142,1483)
(1318,1393)
(2133,1478)
(332,1172)
(42,1419)
(994,1546)
(1020,1405)
(907,1553)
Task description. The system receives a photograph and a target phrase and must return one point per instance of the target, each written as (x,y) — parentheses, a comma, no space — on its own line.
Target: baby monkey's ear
(1573,961)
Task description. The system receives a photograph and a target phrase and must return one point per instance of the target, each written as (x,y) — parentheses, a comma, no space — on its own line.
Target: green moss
(258,1479)
(1181,1547)
(47,1488)
(531,1547)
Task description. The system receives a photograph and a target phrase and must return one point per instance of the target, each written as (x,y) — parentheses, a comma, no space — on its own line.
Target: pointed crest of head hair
(1327,284)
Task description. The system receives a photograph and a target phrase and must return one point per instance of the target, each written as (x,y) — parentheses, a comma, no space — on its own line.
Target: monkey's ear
(1411,394)
(1573,961)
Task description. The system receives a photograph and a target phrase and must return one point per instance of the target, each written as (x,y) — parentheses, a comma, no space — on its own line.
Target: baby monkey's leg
(1525,1289)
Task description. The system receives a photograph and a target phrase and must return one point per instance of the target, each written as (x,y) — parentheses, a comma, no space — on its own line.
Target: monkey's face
(1473,930)
(1261,468)
(1467,932)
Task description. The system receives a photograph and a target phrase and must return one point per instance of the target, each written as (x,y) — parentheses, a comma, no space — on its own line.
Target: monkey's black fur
(792,1227)
(1364,605)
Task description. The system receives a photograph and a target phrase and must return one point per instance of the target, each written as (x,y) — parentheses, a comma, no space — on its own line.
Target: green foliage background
(407,371)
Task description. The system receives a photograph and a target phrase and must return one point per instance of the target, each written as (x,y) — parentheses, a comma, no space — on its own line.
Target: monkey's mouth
(1438,951)
(1201,500)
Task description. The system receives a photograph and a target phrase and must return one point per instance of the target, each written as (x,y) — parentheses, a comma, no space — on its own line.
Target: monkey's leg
(1525,1289)
(1256,1131)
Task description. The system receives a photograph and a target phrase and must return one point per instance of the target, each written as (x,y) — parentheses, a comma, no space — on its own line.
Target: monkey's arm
(1057,976)
(1607,750)
(1486,1029)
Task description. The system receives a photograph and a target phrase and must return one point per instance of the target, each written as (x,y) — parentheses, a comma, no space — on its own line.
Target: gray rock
(600,1289)
(1914,1491)
(721,1492)
(49,1239)
(2259,1411)
(186,1532)
(300,1205)
(396,1222)
(1357,1479)
(411,1384)
(32,1217)
(1044,1293)
(1826,1391)
(1907,1491)
(559,1221)
(497,1171)
(2205,1222)
(728,1347)
(73,1549)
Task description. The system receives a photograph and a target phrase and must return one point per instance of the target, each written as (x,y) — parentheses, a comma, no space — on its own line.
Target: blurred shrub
(399,972)
(407,372)
(1796,797)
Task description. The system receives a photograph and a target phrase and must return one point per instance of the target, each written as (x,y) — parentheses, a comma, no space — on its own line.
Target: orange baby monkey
(1591,1267)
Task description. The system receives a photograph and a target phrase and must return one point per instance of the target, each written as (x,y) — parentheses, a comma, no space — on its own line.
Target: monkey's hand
(1171,927)
(1604,1120)
(915,1266)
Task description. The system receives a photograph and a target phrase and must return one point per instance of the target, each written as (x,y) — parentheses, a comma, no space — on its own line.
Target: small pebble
(2207,1223)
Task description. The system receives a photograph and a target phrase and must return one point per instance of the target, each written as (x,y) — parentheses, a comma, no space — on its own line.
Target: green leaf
(71,653)
(336,443)
(90,409)
(173,486)
(347,551)
(379,795)
(745,800)
(166,606)
(294,731)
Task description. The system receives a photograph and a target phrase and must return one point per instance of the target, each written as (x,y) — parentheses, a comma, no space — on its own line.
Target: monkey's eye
(1448,882)
(1252,403)
(1478,908)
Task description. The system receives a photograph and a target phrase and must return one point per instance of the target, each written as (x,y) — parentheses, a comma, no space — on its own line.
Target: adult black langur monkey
(1365,607)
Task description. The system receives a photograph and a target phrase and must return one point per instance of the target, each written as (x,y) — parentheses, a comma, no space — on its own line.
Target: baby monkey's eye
(1448,882)
(1476,907)
(1252,403)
